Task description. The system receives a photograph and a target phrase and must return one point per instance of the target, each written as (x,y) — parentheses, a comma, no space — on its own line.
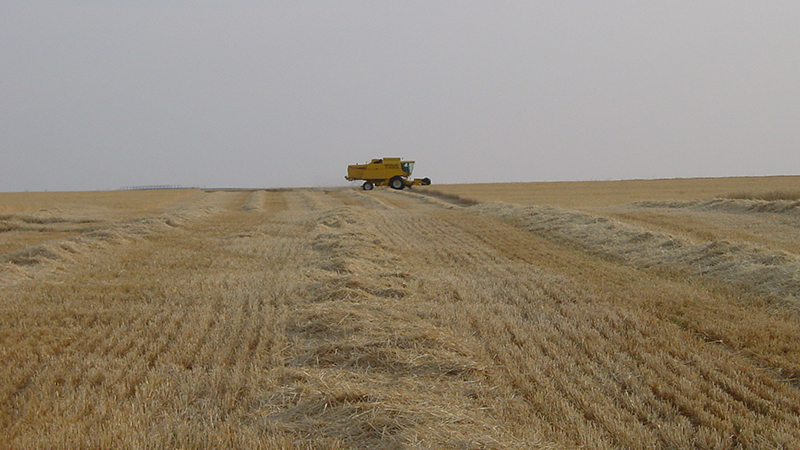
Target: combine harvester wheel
(397,183)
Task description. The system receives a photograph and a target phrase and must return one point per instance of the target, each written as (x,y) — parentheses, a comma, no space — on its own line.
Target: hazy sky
(103,94)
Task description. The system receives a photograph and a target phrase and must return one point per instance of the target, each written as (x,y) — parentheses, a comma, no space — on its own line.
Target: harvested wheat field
(343,319)
(579,194)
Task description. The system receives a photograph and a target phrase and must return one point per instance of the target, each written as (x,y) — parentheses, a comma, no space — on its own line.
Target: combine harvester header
(390,172)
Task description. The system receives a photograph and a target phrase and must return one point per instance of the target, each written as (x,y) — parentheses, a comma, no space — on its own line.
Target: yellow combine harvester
(385,172)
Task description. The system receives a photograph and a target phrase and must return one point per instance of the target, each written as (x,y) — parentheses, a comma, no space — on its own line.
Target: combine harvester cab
(390,172)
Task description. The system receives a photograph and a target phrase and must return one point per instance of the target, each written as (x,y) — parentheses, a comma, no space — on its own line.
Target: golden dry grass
(579,194)
(28,218)
(120,202)
(337,318)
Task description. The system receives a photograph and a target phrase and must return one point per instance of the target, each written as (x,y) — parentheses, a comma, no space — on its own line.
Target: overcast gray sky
(104,94)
